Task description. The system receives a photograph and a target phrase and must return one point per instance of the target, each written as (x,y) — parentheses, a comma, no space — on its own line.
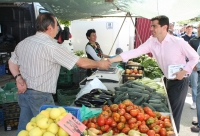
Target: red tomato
(105,114)
(94,119)
(163,132)
(121,112)
(114,107)
(134,112)
(125,130)
(116,117)
(140,116)
(128,108)
(146,109)
(151,133)
(134,126)
(167,120)
(139,123)
(143,128)
(114,124)
(104,128)
(105,107)
(120,126)
(156,128)
(132,120)
(89,120)
(91,125)
(152,125)
(127,102)
(109,112)
(100,121)
(121,106)
(109,121)
(122,119)
(127,116)
(85,122)
(146,116)
(151,113)
(162,117)
(100,132)
(126,125)
(167,124)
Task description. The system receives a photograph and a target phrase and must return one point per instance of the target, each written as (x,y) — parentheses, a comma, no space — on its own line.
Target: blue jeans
(194,83)
(30,103)
(198,100)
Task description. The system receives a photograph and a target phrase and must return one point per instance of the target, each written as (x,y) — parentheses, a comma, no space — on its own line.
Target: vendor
(93,49)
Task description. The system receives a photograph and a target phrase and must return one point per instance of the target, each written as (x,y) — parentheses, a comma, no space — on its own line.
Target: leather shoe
(195,129)
(194,123)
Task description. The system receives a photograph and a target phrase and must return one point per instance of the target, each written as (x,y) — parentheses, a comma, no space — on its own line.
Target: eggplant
(81,102)
(97,101)
(83,98)
(95,92)
(103,96)
(107,92)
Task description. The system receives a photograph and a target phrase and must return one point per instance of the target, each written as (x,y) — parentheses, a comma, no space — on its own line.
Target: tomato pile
(123,117)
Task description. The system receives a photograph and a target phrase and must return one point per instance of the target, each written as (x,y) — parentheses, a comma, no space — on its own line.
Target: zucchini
(126,96)
(135,94)
(123,89)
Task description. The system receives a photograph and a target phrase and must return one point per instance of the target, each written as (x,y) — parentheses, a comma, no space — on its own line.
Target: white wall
(105,37)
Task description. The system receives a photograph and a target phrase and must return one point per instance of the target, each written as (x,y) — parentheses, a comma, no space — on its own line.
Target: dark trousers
(177,91)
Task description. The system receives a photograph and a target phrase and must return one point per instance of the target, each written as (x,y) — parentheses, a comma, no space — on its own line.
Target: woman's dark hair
(89,32)
(162,20)
(44,20)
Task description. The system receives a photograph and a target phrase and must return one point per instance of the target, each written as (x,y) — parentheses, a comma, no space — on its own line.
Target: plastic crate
(11,124)
(1,117)
(73,110)
(1,95)
(2,70)
(65,78)
(11,110)
(66,97)
(10,92)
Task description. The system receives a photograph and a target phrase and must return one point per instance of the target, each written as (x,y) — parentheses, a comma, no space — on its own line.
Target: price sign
(71,125)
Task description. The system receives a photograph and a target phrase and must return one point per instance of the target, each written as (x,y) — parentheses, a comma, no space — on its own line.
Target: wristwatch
(17,76)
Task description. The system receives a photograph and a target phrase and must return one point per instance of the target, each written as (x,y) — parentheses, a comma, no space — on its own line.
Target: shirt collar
(167,38)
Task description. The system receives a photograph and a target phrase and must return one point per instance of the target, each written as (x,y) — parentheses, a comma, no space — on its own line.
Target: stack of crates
(10,107)
(11,113)
(1,117)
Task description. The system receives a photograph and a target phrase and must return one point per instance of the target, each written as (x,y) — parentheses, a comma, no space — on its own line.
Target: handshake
(105,63)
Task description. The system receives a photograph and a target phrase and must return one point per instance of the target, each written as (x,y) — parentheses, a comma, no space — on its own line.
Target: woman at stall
(93,49)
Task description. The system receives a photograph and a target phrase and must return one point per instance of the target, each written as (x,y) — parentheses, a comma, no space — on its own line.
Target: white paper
(173,69)
(94,84)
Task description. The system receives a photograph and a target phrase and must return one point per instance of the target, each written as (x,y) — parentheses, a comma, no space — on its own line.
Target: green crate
(2,92)
(65,78)
(10,93)
(66,97)
(65,70)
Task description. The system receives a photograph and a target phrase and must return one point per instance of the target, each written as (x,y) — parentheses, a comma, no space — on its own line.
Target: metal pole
(118,33)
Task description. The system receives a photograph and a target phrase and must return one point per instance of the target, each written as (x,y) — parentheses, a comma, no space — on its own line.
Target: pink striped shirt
(172,51)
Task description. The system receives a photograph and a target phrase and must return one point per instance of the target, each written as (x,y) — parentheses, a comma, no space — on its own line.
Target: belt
(30,89)
(176,79)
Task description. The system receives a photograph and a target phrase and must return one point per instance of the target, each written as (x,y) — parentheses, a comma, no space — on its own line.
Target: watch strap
(17,76)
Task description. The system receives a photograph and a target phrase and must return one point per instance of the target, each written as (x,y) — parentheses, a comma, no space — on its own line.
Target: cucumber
(134,90)
(109,102)
(137,83)
(156,106)
(123,89)
(155,101)
(136,94)
(117,88)
(126,96)
(138,101)
(118,98)
(137,86)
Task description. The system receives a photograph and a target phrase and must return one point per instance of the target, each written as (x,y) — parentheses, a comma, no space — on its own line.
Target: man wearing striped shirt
(35,64)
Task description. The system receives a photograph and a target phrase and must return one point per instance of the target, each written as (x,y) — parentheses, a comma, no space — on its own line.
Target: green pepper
(150,121)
